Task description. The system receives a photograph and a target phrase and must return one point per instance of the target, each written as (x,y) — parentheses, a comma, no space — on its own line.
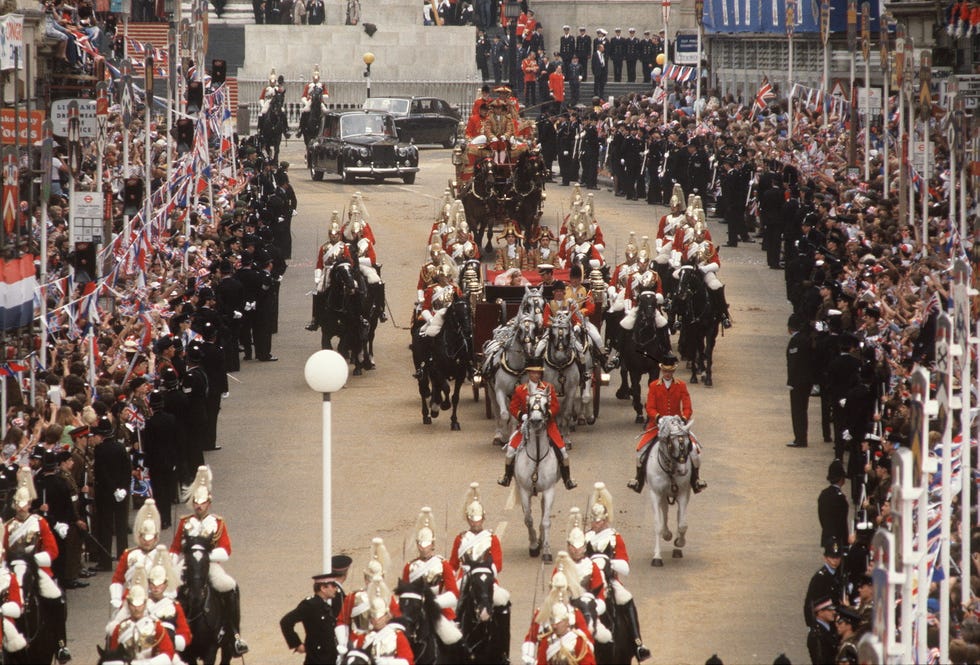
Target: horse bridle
(483,166)
(669,462)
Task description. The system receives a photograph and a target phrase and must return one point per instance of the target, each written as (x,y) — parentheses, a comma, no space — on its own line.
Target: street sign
(686,49)
(969,90)
(88,124)
(88,216)
(923,156)
(869,101)
(29,126)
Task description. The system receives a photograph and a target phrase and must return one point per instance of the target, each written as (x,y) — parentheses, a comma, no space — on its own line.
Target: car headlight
(401,151)
(364,152)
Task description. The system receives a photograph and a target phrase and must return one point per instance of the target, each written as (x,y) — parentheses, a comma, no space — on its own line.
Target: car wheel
(316,174)
(408,178)
(450,140)
(346,175)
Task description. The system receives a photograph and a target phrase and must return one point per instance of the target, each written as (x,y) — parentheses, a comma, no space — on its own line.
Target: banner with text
(11,41)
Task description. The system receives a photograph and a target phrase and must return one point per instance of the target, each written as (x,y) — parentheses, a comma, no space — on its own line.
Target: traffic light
(132,196)
(195,97)
(219,71)
(185,135)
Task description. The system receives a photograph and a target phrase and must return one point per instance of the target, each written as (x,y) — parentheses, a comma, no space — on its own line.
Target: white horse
(559,348)
(669,481)
(505,357)
(536,472)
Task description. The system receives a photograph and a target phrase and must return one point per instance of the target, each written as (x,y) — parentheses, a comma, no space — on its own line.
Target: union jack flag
(763,96)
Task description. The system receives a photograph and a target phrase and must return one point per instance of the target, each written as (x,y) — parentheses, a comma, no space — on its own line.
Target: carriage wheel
(316,174)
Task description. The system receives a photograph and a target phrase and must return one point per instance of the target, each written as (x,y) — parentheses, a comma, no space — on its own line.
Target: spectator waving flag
(763,96)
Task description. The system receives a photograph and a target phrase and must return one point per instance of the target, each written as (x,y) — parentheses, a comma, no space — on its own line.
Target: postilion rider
(667,397)
(518,409)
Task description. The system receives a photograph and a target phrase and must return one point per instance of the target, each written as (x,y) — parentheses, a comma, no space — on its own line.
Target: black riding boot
(641,470)
(696,483)
(57,612)
(314,324)
(233,614)
(642,652)
(501,622)
(566,474)
(379,288)
(720,306)
(509,473)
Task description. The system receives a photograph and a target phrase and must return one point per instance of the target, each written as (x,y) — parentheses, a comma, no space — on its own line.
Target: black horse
(433,637)
(350,311)
(617,619)
(642,348)
(446,357)
(41,619)
(272,126)
(310,121)
(698,321)
(203,607)
(529,177)
(118,655)
(486,629)
(480,203)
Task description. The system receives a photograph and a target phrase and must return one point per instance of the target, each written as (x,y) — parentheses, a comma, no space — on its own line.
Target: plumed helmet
(147,525)
(356,227)
(462,228)
(677,198)
(566,567)
(272,76)
(446,269)
(631,248)
(316,73)
(645,254)
(195,351)
(200,490)
(559,580)
(457,213)
(380,560)
(435,248)
(136,595)
(601,506)
(576,528)
(380,597)
(425,528)
(336,228)
(25,492)
(690,202)
(589,206)
(696,204)
(700,230)
(472,507)
(554,610)
(163,569)
(576,196)
(581,227)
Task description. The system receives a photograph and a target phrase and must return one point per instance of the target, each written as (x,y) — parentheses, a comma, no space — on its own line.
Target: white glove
(529,653)
(119,495)
(846,435)
(61,529)
(115,595)
(43,559)
(237,315)
(843,402)
(250,306)
(179,643)
(317,276)
(219,555)
(523,417)
(225,394)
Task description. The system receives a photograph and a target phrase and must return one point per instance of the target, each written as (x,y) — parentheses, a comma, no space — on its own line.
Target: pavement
(753,539)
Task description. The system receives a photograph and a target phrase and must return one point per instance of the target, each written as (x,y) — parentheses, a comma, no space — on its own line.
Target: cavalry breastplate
(22,537)
(475,545)
(430,570)
(603,542)
(383,642)
(138,637)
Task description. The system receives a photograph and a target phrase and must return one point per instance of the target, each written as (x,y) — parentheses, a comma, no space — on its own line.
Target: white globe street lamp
(326,372)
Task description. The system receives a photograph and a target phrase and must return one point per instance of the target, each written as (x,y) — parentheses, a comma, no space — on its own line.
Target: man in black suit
(160,436)
(832,507)
(113,472)
(799,369)
(600,72)
(231,305)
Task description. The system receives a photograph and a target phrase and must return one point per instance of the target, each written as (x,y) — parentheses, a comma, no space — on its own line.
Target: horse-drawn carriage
(494,307)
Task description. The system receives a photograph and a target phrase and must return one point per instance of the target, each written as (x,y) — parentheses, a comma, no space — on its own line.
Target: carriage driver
(329,253)
(518,409)
(309,90)
(204,524)
(28,536)
(667,396)
(604,544)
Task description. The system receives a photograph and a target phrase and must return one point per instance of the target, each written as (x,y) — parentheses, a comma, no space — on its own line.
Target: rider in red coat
(667,396)
(518,409)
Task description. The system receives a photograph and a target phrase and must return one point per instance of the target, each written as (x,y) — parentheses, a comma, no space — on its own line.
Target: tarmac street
(753,539)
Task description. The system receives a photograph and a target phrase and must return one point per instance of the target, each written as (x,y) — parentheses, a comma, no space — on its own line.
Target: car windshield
(395,106)
(368,123)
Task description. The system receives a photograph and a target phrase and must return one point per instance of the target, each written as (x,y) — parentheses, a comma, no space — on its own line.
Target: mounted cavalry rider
(11,639)
(699,251)
(353,621)
(386,642)
(361,241)
(427,274)
(276,87)
(212,528)
(667,396)
(579,304)
(436,298)
(162,583)
(333,250)
(139,634)
(431,567)
(28,536)
(462,245)
(643,277)
(607,548)
(477,545)
(147,531)
(309,90)
(670,223)
(561,594)
(518,409)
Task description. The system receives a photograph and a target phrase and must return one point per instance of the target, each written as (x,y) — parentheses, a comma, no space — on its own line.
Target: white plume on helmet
(200,489)
(26,492)
(425,533)
(147,524)
(601,505)
(472,506)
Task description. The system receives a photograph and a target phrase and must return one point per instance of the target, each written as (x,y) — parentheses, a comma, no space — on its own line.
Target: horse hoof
(678,554)
(546,557)
(622,393)
(435,412)
(590,421)
(708,382)
(680,542)
(357,371)
(639,420)
(694,378)
(426,420)
(454,427)
(668,536)
(445,406)
(497,442)
(533,552)
(657,563)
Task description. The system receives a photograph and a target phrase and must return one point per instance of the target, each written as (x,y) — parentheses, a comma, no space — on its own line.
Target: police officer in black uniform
(821,641)
(698,171)
(583,49)
(654,162)
(617,53)
(832,506)
(631,161)
(265,308)
(214,366)
(250,280)
(176,403)
(195,388)
(590,152)
(318,614)
(160,454)
(826,582)
(231,302)
(566,132)
(632,55)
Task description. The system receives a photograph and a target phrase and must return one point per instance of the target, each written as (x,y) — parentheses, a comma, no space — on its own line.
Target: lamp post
(326,372)
(368,61)
(512,10)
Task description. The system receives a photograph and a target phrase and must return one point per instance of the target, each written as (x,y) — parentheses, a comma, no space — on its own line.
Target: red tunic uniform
(325,248)
(124,632)
(438,574)
(534,632)
(518,407)
(389,642)
(171,615)
(17,535)
(664,401)
(122,568)
(219,537)
(573,642)
(496,554)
